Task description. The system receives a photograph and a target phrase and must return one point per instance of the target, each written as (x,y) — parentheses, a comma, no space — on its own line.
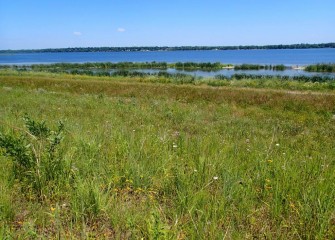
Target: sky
(39,24)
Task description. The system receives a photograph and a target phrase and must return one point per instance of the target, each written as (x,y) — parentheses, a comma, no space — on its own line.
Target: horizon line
(233,47)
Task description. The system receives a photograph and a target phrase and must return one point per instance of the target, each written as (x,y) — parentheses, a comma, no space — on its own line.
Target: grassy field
(143,158)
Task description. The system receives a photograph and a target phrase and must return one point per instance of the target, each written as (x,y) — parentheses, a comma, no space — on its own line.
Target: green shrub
(36,155)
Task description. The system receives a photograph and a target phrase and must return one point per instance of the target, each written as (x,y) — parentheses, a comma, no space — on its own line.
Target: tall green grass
(321,67)
(178,162)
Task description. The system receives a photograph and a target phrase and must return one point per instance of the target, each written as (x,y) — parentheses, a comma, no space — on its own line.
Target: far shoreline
(174,48)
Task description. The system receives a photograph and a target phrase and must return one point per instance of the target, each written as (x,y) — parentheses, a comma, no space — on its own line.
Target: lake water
(288,57)
(284,56)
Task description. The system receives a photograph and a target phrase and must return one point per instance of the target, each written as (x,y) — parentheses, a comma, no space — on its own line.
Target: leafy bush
(36,155)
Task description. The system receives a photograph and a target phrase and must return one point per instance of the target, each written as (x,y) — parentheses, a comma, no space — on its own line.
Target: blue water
(287,57)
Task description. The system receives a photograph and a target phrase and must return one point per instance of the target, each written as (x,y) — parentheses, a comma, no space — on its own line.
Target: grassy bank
(142,158)
(303,83)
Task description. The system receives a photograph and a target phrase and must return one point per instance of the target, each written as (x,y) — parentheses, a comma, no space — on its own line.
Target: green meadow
(88,157)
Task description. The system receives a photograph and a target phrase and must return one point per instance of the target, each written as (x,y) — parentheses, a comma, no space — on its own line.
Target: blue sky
(39,24)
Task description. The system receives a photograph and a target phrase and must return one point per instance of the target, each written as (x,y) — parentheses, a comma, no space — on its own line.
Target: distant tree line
(181,48)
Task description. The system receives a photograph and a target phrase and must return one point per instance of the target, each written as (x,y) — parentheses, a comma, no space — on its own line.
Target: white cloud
(77,33)
(121,29)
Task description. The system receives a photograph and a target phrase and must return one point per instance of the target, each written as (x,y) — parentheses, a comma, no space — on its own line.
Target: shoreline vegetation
(140,72)
(320,68)
(157,157)
(165,48)
(310,83)
(186,66)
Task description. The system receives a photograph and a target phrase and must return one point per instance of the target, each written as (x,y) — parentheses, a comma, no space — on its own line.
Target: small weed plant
(36,155)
